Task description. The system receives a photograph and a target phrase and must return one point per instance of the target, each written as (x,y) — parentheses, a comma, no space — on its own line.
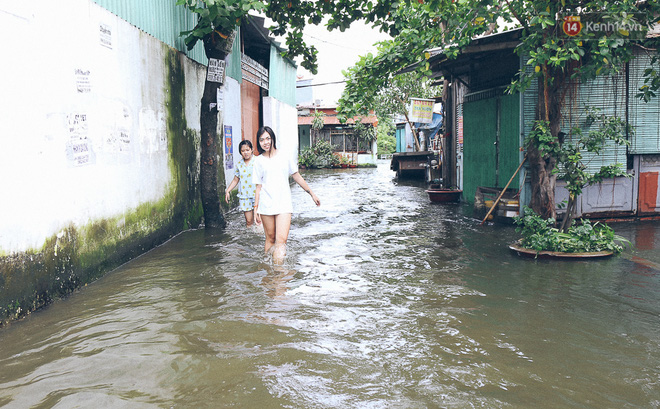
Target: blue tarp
(431,129)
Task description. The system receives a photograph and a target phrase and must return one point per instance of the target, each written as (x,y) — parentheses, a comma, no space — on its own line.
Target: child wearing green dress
(243,178)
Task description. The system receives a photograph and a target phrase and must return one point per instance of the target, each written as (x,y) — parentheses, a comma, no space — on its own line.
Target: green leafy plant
(540,234)
(318,156)
(364,131)
(306,157)
(335,160)
(318,120)
(566,153)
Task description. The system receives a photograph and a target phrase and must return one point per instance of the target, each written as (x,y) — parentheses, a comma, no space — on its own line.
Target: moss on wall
(77,255)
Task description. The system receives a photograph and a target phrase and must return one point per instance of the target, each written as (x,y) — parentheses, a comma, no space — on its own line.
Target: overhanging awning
(492,43)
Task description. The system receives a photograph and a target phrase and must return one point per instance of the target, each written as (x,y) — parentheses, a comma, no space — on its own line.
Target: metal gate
(491,140)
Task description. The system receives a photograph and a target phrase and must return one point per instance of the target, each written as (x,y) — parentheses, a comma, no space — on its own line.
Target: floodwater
(386,301)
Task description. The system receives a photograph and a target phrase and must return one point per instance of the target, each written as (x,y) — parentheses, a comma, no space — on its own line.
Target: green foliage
(318,120)
(416,26)
(306,157)
(568,153)
(386,138)
(569,156)
(323,149)
(217,17)
(651,81)
(390,97)
(541,235)
(320,155)
(364,131)
(540,137)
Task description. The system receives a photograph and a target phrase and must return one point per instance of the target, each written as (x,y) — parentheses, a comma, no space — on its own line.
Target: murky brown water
(386,301)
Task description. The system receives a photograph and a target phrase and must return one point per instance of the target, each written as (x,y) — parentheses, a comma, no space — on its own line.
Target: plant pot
(525,252)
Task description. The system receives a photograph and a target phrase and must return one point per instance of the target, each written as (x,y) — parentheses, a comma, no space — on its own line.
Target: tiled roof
(333,120)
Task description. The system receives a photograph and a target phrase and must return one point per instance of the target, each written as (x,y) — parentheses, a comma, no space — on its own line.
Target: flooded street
(386,301)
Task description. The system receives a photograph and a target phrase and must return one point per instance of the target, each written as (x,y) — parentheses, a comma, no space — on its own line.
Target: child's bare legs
(276,230)
(249,217)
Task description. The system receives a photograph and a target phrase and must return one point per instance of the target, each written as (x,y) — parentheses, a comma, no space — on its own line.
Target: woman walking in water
(273,205)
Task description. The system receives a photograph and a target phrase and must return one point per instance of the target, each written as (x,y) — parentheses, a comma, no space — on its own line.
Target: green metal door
(490,141)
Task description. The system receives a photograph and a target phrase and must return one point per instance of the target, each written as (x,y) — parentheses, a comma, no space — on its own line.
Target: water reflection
(385,301)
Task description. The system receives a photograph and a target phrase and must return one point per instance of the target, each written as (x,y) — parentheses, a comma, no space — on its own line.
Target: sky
(337,51)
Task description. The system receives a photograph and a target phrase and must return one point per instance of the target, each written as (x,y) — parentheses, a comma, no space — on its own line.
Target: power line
(337,45)
(316,85)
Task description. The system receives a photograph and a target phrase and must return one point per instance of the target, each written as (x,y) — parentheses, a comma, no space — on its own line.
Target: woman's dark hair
(260,132)
(244,142)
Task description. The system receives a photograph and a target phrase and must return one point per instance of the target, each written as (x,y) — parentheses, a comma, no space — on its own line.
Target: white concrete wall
(232,117)
(83,118)
(283,119)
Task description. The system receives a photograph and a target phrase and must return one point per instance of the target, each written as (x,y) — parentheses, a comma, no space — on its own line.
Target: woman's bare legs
(276,230)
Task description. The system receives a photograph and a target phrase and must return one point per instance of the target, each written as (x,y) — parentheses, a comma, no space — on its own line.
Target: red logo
(572,25)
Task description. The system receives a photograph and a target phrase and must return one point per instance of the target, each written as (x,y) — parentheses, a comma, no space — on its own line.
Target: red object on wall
(648,192)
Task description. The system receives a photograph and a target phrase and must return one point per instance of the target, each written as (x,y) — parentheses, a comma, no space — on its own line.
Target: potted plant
(540,238)
(323,154)
(335,161)
(306,158)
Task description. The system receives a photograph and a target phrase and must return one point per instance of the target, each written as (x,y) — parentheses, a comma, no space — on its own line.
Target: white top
(273,176)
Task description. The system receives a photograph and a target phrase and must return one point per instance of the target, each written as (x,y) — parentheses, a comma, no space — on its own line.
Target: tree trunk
(543,184)
(213,217)
(541,177)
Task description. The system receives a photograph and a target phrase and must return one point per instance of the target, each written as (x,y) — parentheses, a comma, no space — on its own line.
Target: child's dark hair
(244,142)
(260,132)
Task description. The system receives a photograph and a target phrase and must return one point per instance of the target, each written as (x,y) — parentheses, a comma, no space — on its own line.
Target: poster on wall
(229,157)
(105,35)
(78,146)
(215,71)
(83,84)
(421,110)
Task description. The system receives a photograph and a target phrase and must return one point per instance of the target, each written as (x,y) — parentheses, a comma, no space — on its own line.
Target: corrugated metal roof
(162,19)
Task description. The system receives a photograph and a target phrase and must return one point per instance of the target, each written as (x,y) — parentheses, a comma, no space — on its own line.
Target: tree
(318,122)
(569,155)
(556,57)
(392,99)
